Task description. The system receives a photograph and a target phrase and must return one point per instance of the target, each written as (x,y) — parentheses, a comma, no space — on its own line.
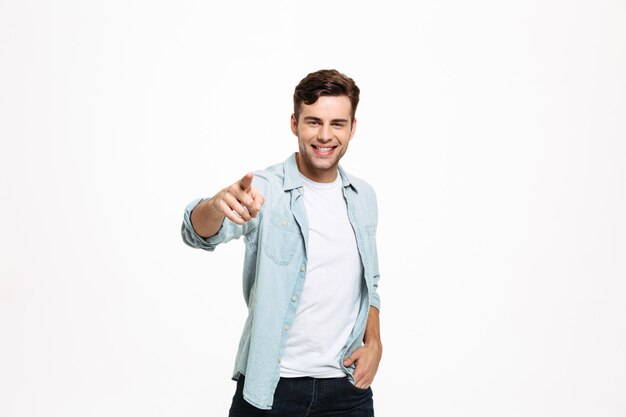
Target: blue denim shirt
(275,267)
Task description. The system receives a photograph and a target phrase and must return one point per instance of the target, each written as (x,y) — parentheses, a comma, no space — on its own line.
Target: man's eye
(313,123)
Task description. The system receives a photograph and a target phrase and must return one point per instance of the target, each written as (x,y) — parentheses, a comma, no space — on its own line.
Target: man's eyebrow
(317,119)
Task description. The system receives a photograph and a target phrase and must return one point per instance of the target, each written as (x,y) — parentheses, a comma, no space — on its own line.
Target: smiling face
(324,130)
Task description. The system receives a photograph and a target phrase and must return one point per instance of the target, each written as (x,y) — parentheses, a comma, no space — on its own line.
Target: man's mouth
(323,150)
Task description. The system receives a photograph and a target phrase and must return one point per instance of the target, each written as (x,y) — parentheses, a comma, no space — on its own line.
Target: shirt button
(286,327)
(294,298)
(302,268)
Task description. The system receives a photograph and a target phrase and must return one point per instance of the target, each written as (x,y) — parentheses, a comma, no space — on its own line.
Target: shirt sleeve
(375,298)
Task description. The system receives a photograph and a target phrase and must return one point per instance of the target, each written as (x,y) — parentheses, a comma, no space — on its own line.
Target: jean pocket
(354,388)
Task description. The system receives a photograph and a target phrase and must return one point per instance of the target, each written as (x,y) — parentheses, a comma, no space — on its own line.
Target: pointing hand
(239,202)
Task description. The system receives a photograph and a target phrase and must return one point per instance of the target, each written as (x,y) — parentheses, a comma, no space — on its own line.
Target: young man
(311,343)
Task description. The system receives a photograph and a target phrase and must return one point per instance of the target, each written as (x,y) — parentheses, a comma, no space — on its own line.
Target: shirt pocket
(281,241)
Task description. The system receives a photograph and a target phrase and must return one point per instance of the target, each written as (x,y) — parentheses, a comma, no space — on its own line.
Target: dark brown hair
(324,83)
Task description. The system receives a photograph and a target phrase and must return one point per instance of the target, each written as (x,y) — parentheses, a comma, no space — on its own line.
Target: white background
(493,131)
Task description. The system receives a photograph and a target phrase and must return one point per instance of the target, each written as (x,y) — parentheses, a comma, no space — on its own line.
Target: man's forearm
(372,329)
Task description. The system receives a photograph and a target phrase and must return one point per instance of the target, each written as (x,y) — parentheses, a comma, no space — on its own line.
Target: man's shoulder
(360,185)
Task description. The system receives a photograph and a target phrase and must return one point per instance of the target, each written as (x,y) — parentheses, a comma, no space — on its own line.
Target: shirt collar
(294,180)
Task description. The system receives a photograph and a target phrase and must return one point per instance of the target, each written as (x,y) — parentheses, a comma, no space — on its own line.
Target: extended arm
(239,202)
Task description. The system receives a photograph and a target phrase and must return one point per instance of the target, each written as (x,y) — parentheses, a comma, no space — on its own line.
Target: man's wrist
(206,219)
(374,344)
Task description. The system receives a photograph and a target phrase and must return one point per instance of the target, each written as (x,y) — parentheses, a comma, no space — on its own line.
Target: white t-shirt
(330,299)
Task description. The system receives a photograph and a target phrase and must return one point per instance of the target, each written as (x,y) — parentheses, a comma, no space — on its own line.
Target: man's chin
(321,163)
(324,166)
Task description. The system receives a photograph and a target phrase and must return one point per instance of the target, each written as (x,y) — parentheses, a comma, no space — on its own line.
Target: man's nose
(324,134)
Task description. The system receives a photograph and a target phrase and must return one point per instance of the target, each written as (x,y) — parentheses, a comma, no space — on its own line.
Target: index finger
(246,182)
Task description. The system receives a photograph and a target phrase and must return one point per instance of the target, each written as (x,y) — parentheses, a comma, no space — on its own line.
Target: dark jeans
(309,397)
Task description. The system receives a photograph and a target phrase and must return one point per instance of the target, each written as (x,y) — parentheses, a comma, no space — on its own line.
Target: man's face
(324,130)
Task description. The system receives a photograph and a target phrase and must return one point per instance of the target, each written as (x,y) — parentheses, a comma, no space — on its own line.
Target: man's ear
(294,124)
